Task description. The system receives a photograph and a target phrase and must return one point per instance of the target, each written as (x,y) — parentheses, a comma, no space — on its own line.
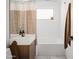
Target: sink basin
(26,40)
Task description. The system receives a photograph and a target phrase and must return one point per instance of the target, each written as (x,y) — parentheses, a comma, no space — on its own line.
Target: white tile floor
(50,57)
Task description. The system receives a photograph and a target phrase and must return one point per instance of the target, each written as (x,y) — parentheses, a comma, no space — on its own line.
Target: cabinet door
(23,51)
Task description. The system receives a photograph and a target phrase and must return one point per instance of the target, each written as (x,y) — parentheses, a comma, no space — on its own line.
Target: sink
(26,40)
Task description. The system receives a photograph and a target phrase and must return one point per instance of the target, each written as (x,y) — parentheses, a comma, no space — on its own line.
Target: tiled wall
(14,18)
(25,20)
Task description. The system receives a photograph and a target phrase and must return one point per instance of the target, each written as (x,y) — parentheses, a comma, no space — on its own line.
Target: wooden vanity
(26,46)
(27,51)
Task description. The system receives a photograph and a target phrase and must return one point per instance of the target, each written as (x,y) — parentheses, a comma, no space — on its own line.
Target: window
(44,13)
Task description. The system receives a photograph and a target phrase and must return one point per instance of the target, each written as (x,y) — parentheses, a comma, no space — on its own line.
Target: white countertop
(26,40)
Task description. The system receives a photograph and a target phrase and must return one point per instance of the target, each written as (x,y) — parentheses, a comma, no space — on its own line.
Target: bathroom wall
(7,24)
(48,31)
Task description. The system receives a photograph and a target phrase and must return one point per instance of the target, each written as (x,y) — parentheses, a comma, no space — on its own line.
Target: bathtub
(49,46)
(46,39)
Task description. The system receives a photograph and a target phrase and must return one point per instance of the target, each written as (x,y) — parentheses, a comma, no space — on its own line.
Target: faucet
(22,33)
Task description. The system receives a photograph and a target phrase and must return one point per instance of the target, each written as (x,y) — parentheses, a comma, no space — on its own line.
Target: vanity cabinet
(27,51)
(23,47)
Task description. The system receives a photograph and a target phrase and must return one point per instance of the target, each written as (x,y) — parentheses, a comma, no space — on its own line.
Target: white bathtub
(50,46)
(46,39)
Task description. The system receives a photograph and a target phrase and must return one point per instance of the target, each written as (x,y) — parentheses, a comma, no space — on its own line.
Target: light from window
(44,13)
